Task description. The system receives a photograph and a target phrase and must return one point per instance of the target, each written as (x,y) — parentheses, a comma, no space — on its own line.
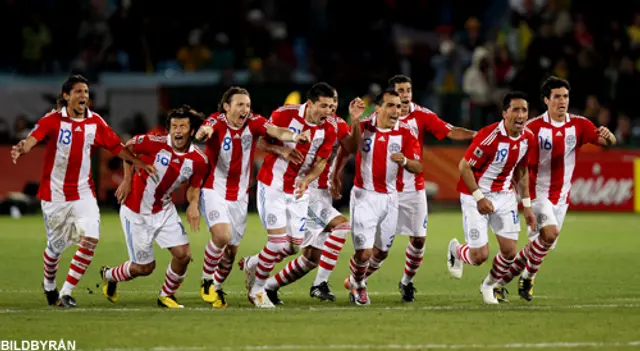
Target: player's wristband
(404,163)
(526,202)
(477,195)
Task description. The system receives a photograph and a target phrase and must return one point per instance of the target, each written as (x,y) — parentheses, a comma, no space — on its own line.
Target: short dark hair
(185,111)
(67,86)
(397,79)
(319,90)
(228,95)
(380,97)
(513,95)
(552,82)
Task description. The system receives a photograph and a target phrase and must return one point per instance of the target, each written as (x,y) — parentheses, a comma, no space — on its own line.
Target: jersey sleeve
(147,144)
(258,125)
(45,127)
(434,125)
(211,121)
(411,146)
(589,133)
(478,152)
(199,174)
(327,146)
(108,139)
(279,119)
(343,129)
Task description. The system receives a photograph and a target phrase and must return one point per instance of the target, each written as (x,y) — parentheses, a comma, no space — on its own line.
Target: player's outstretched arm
(284,134)
(125,186)
(466,172)
(605,137)
(193,211)
(23,147)
(316,170)
(521,178)
(356,109)
(459,133)
(287,153)
(336,177)
(127,155)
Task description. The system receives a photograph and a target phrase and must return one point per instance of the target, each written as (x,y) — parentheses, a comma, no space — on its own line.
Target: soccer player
(557,137)
(71,214)
(231,135)
(283,195)
(497,155)
(148,213)
(326,228)
(385,146)
(412,199)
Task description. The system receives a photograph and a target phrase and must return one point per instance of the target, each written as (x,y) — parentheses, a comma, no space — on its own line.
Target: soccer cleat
(52,296)
(109,289)
(219,301)
(525,288)
(500,293)
(249,274)
(207,294)
(322,292)
(453,264)
(168,302)
(66,301)
(408,292)
(360,297)
(261,300)
(488,294)
(273,297)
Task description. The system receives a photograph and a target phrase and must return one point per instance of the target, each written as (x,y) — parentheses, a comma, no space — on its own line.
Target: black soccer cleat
(52,296)
(273,297)
(322,292)
(408,292)
(501,293)
(525,288)
(66,301)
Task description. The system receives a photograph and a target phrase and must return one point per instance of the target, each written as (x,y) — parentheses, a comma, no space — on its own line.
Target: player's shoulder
(94,117)
(406,128)
(331,122)
(288,108)
(488,134)
(256,117)
(51,116)
(198,155)
(580,120)
(422,111)
(152,138)
(535,123)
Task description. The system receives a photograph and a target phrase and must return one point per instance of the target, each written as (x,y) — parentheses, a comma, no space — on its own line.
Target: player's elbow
(463,166)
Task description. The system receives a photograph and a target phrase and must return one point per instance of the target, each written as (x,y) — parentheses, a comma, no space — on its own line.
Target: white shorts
(319,214)
(278,209)
(547,214)
(216,209)
(374,217)
(140,230)
(67,222)
(412,213)
(504,221)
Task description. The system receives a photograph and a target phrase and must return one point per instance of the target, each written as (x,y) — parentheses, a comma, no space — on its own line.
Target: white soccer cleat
(453,264)
(261,300)
(249,273)
(488,295)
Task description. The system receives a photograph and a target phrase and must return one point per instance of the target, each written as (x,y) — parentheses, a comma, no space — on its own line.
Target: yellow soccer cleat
(207,292)
(109,289)
(168,302)
(219,301)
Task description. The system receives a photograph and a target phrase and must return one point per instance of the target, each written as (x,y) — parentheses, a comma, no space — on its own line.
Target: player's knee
(89,243)
(509,254)
(294,248)
(418,242)
(549,234)
(312,254)
(143,269)
(362,256)
(380,255)
(230,252)
(479,255)
(221,234)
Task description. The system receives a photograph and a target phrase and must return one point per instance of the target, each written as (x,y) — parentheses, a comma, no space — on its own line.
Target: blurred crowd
(455,50)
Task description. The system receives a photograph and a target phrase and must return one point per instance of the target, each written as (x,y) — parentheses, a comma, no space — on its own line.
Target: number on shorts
(226,144)
(65,136)
(501,155)
(545,144)
(163,160)
(516,219)
(367,144)
(304,222)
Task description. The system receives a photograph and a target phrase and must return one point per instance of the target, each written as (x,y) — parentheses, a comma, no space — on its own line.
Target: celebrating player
(71,213)
(385,146)
(557,137)
(148,213)
(497,155)
(326,228)
(231,135)
(283,197)
(412,199)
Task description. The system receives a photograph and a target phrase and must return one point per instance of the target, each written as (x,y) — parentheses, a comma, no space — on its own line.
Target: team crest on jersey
(394,148)
(59,244)
(142,255)
(359,239)
(89,139)
(272,219)
(474,234)
(570,140)
(317,143)
(324,214)
(186,172)
(213,215)
(478,152)
(246,141)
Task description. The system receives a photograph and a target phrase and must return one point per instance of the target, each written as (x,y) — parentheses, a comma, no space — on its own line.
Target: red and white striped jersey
(342,130)
(230,151)
(493,156)
(282,174)
(421,120)
(552,158)
(375,170)
(66,175)
(148,196)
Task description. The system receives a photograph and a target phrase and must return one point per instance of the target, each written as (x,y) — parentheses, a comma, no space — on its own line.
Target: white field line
(544,345)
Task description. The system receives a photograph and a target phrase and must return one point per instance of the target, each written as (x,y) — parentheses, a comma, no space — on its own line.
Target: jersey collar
(63,112)
(547,118)
(191,147)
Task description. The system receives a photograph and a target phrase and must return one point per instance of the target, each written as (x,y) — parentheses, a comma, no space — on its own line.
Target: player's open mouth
(243,117)
(519,123)
(323,118)
(82,102)
(178,137)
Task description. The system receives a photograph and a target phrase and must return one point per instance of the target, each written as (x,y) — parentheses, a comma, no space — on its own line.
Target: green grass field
(587,297)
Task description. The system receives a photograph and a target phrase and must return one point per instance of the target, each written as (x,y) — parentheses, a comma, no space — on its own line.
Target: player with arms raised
(497,155)
(148,213)
(283,195)
(231,136)
(71,214)
(552,159)
(385,146)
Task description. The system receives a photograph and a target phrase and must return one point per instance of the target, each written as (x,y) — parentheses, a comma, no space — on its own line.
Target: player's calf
(79,264)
